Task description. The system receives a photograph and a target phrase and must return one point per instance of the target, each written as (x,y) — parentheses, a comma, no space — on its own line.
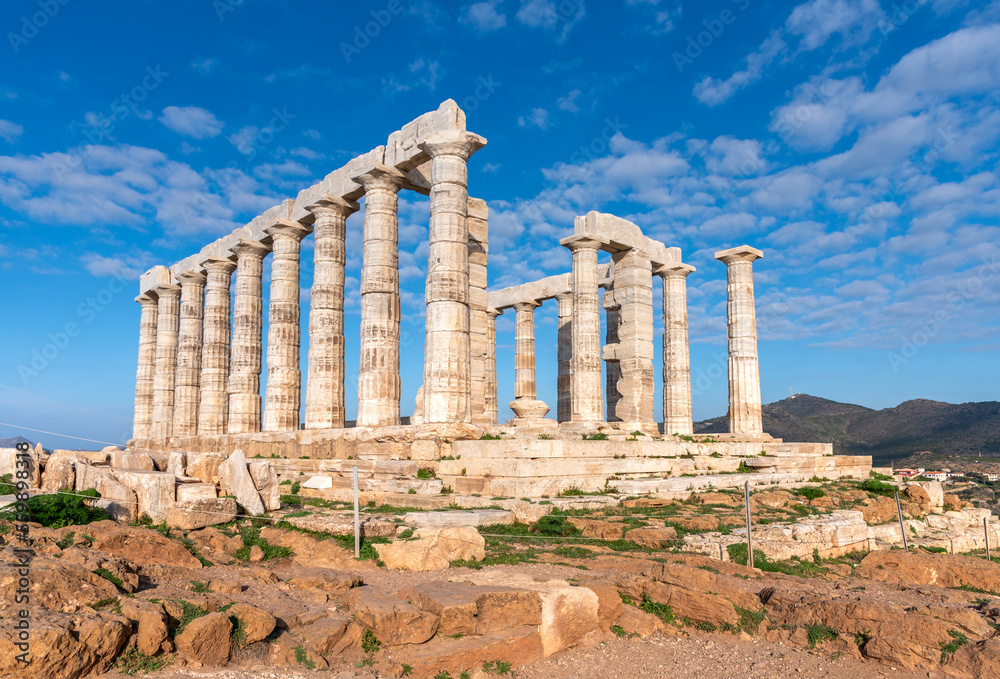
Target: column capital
(582,241)
(493,313)
(250,248)
(218,264)
(191,278)
(452,143)
(167,290)
(332,205)
(743,253)
(564,296)
(527,305)
(286,228)
(146,300)
(380,177)
(675,270)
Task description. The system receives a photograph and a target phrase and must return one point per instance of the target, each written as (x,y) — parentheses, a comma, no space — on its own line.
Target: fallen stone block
(434,549)
(196,514)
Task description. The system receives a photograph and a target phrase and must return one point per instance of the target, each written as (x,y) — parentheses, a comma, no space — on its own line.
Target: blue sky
(855,142)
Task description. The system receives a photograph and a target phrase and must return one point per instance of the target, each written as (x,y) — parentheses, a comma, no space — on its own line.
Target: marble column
(478,260)
(378,371)
(447,387)
(564,356)
(744,370)
(168,298)
(248,307)
(612,368)
(490,397)
(284,333)
(142,420)
(587,401)
(213,408)
(187,393)
(633,292)
(325,376)
(677,413)
(526,404)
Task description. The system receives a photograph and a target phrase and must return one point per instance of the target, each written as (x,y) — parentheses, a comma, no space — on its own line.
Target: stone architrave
(143,418)
(447,384)
(564,355)
(612,368)
(378,371)
(633,293)
(248,307)
(491,403)
(187,393)
(213,409)
(677,408)
(526,404)
(745,415)
(587,401)
(284,336)
(325,375)
(168,299)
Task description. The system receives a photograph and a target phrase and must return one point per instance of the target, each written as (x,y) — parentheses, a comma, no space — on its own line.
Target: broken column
(143,418)
(677,411)
(633,295)
(378,372)
(213,407)
(167,324)
(587,402)
(248,307)
(526,404)
(447,375)
(284,335)
(325,376)
(187,393)
(744,371)
(564,356)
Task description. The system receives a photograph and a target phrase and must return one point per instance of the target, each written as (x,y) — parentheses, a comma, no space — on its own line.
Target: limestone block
(318,482)
(934,491)
(177,464)
(124,459)
(117,499)
(154,491)
(59,470)
(189,492)
(205,466)
(475,517)
(197,514)
(235,478)
(434,548)
(265,480)
(393,621)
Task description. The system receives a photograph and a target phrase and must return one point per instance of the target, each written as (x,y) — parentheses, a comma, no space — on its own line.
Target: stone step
(591,466)
(447,519)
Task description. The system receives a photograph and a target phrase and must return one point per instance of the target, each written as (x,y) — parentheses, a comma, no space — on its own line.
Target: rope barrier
(53,433)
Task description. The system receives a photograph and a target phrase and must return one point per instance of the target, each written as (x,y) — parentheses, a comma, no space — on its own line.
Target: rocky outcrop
(64,647)
(206,639)
(930,569)
(145,548)
(434,549)
(393,621)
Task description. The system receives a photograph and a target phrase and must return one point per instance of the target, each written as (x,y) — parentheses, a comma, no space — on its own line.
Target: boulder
(464,608)
(142,546)
(265,480)
(330,581)
(131,459)
(951,502)
(933,489)
(94,560)
(205,466)
(235,478)
(150,622)
(63,647)
(213,540)
(434,549)
(634,621)
(257,624)
(915,493)
(154,491)
(196,514)
(943,570)
(323,635)
(653,537)
(177,464)
(518,646)
(187,492)
(393,621)
(206,639)
(60,470)
(55,586)
(879,510)
(308,551)
(591,528)
(978,659)
(117,499)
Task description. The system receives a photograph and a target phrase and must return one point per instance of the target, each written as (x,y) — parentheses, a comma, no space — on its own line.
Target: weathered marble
(478,304)
(213,409)
(587,402)
(744,371)
(526,404)
(447,375)
(143,419)
(490,396)
(284,333)
(325,375)
(244,374)
(612,368)
(167,326)
(564,355)
(189,341)
(677,408)
(633,294)
(378,372)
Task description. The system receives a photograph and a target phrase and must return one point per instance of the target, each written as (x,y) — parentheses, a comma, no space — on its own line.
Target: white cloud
(10,131)
(550,15)
(484,16)
(713,91)
(568,103)
(204,66)
(191,121)
(539,117)
(128,266)
(423,74)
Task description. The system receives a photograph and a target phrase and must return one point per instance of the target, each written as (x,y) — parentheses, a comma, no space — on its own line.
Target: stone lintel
(620,234)
(545,288)
(743,252)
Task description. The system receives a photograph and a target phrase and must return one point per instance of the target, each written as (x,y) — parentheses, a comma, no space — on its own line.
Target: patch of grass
(295,515)
(750,620)
(817,634)
(250,533)
(489,437)
(662,611)
(239,634)
(957,641)
(794,566)
(113,604)
(809,493)
(498,667)
(193,548)
(573,552)
(876,487)
(7,486)
(133,661)
(67,541)
(933,550)
(406,534)
(302,658)
(552,525)
(111,577)
(60,510)
(595,437)
(189,612)
(861,638)
(744,469)
(370,643)
(879,477)
(199,587)
(425,473)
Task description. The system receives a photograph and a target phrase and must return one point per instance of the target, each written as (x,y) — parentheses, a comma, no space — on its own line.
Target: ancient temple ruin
(198,385)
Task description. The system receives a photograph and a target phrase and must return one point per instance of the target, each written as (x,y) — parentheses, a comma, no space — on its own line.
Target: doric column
(612,368)
(168,298)
(633,293)
(478,260)
(248,308)
(284,333)
(677,413)
(587,401)
(213,409)
(142,420)
(378,371)
(188,375)
(447,385)
(564,355)
(325,377)
(491,403)
(744,369)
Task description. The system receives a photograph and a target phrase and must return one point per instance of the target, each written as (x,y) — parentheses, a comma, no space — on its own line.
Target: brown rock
(943,570)
(520,645)
(287,651)
(142,546)
(104,635)
(464,608)
(701,523)
(979,659)
(151,624)
(917,494)
(714,499)
(195,514)
(55,586)
(879,510)
(60,651)
(206,639)
(590,528)
(323,635)
(308,551)
(609,603)
(634,621)
(952,502)
(121,568)
(652,537)
(434,549)
(774,500)
(214,540)
(324,579)
(256,554)
(393,621)
(257,624)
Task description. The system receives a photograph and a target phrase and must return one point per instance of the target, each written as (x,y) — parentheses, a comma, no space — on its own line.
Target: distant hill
(11,442)
(892,433)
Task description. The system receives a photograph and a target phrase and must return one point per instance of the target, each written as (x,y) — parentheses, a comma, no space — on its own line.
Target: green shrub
(553,525)
(489,437)
(809,493)
(189,612)
(302,658)
(876,487)
(817,634)
(595,437)
(296,487)
(61,510)
(7,486)
(134,661)
(425,473)
(957,641)
(111,577)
